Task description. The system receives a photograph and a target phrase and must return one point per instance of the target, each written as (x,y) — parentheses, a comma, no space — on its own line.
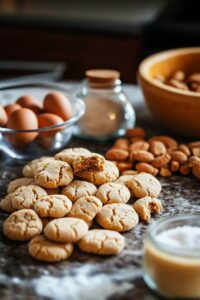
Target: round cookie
(66,230)
(117,216)
(15,184)
(69,155)
(77,189)
(113,193)
(53,206)
(22,225)
(28,169)
(41,248)
(109,174)
(144,184)
(6,204)
(86,208)
(104,242)
(53,174)
(26,196)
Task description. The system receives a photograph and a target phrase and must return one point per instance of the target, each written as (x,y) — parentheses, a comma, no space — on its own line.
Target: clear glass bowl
(42,144)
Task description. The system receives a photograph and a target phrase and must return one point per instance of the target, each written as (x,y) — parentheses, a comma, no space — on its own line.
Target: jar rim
(177,251)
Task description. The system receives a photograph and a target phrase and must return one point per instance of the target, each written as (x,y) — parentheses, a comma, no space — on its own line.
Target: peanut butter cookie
(109,174)
(15,184)
(66,230)
(147,205)
(69,155)
(103,242)
(6,204)
(143,185)
(22,225)
(53,174)
(119,217)
(86,208)
(77,189)
(53,206)
(26,196)
(92,161)
(41,248)
(28,169)
(113,193)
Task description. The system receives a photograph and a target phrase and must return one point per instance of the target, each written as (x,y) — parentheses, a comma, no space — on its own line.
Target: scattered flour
(179,237)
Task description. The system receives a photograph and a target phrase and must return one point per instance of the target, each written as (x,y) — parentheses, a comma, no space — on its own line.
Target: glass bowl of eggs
(37,119)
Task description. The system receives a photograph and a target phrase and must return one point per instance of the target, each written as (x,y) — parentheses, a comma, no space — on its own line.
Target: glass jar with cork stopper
(108,111)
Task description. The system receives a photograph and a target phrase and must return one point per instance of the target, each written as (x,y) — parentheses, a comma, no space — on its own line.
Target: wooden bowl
(177,110)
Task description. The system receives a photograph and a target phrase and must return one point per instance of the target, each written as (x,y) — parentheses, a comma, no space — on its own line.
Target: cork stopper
(101,76)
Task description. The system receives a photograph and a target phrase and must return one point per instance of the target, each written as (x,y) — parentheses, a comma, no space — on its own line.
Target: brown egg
(3,117)
(22,119)
(57,103)
(31,103)
(45,120)
(10,108)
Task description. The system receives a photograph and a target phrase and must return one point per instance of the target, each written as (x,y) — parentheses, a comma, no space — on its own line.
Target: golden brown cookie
(6,204)
(103,242)
(22,225)
(41,248)
(144,184)
(26,196)
(92,161)
(86,208)
(77,189)
(147,205)
(53,206)
(113,193)
(119,217)
(109,174)
(15,184)
(69,155)
(28,169)
(66,230)
(53,174)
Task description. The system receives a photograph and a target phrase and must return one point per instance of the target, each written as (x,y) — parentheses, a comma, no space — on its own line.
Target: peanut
(157,148)
(140,145)
(185,169)
(196,170)
(147,168)
(192,160)
(168,141)
(161,161)
(136,139)
(136,132)
(121,144)
(179,156)
(174,165)
(185,149)
(165,172)
(196,151)
(179,75)
(124,165)
(195,77)
(117,154)
(129,172)
(194,144)
(177,84)
(141,155)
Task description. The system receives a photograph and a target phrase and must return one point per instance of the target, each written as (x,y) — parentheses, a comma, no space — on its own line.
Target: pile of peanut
(159,155)
(180,81)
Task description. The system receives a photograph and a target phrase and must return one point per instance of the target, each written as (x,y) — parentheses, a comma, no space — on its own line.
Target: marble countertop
(89,277)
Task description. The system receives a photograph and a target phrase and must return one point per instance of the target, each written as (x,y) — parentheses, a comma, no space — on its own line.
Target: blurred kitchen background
(71,36)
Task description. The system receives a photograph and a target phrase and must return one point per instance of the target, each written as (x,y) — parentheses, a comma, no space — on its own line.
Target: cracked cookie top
(77,189)
(69,230)
(69,155)
(117,216)
(22,225)
(53,174)
(28,169)
(104,242)
(113,193)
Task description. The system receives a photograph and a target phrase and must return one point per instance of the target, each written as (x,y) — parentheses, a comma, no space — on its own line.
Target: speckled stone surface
(90,277)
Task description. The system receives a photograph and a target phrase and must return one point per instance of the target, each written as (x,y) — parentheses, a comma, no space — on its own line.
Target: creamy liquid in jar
(172,262)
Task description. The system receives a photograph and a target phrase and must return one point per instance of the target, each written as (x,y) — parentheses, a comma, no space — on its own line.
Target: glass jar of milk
(171,264)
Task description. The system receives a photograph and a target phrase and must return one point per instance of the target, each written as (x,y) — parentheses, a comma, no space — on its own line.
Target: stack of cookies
(55,204)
